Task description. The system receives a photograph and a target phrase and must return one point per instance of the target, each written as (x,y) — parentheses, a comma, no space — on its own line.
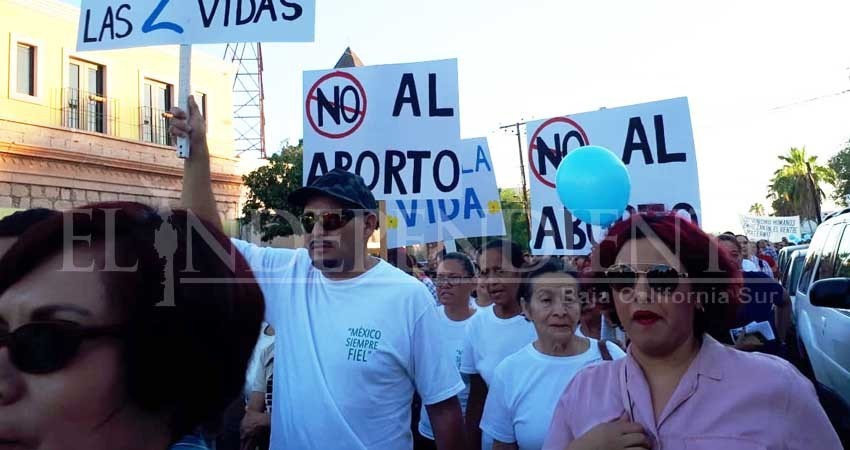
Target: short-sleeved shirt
(263,342)
(526,387)
(451,336)
(264,375)
(727,400)
(348,353)
(489,340)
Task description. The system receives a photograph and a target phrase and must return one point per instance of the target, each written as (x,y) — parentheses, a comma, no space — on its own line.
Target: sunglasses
(661,278)
(330,221)
(43,347)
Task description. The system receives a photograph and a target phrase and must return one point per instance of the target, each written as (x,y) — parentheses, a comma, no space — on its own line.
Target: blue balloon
(793,238)
(594,185)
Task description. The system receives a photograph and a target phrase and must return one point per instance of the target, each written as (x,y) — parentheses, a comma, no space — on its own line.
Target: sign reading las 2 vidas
(113,24)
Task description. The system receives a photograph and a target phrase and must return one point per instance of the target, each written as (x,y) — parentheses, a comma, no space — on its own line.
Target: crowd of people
(123,327)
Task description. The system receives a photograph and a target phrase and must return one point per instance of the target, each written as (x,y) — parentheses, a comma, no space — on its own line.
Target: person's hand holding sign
(197,187)
(190,125)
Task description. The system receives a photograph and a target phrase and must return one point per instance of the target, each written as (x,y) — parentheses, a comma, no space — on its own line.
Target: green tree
(515,213)
(790,189)
(267,209)
(840,164)
(757,209)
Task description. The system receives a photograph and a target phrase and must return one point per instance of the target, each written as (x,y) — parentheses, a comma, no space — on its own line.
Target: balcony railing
(88,111)
(155,123)
(82,110)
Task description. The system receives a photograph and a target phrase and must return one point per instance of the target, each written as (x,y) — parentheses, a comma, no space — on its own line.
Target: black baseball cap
(338,184)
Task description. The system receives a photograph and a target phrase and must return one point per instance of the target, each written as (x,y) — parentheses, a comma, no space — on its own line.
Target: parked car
(822,311)
(791,277)
(784,258)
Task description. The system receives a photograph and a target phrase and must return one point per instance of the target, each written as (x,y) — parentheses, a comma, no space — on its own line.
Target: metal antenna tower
(249,120)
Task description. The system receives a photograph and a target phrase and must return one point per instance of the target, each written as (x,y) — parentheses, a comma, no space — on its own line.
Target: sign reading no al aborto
(397,126)
(654,141)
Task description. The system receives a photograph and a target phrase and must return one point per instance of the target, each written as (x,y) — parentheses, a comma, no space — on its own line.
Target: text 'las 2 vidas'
(112,24)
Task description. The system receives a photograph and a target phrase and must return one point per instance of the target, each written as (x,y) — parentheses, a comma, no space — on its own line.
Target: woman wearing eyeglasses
(121,330)
(455,283)
(527,384)
(679,388)
(494,333)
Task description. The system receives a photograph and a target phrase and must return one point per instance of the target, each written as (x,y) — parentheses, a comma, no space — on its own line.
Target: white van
(822,311)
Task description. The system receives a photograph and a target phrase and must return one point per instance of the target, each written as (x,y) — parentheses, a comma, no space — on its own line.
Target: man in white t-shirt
(353,334)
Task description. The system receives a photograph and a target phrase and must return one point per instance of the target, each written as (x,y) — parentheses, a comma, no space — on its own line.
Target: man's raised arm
(197,185)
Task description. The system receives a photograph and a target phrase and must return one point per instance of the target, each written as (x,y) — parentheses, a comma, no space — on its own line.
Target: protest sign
(771,228)
(654,141)
(474,211)
(396,125)
(113,24)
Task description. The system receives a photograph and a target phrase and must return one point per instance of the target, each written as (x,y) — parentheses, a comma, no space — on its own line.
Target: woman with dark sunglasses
(121,329)
(679,388)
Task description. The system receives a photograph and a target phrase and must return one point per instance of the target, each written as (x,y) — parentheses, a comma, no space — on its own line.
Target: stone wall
(58,168)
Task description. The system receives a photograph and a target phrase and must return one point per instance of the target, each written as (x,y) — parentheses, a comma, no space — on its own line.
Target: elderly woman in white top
(527,384)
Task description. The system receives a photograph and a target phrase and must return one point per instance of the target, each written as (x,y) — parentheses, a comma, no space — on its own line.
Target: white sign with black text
(473,210)
(654,140)
(113,24)
(395,125)
(771,228)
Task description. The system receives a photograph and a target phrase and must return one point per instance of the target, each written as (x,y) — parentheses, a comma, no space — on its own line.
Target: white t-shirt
(749,266)
(525,390)
(489,340)
(348,353)
(451,336)
(255,363)
(263,376)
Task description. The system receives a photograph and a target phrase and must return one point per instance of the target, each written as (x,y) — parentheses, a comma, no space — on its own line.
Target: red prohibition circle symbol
(533,145)
(312,97)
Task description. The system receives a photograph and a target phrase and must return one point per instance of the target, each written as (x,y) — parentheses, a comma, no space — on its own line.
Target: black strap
(603,349)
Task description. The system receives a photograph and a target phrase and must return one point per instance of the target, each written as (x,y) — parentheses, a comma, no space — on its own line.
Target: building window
(25,75)
(156,103)
(84,97)
(201,100)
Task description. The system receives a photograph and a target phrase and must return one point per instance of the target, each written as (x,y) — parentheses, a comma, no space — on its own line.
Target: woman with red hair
(674,291)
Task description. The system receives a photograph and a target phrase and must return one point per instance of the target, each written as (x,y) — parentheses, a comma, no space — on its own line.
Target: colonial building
(80,127)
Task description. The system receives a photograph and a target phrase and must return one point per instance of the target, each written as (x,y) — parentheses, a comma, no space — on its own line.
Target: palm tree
(757,209)
(791,188)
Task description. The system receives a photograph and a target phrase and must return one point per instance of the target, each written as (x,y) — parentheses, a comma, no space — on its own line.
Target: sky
(747,68)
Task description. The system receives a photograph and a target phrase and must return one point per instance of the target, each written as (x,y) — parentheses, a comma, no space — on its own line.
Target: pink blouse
(727,400)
